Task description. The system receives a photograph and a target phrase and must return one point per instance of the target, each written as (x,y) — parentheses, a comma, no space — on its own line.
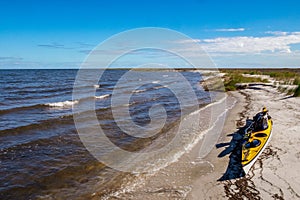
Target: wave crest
(102,96)
(62,104)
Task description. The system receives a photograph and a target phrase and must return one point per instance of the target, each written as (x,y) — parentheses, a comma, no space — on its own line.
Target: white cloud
(266,51)
(187,41)
(252,44)
(277,33)
(230,29)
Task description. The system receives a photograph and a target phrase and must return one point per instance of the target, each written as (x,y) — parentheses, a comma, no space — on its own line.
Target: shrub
(297,91)
(296,81)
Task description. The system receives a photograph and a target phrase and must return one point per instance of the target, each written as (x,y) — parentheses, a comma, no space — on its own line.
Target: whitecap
(62,104)
(162,86)
(102,96)
(139,91)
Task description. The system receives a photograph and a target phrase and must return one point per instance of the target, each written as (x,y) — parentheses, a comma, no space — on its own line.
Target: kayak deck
(252,149)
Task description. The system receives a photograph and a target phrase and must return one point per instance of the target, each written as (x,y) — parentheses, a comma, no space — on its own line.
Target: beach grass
(297,91)
(296,81)
(284,76)
(232,78)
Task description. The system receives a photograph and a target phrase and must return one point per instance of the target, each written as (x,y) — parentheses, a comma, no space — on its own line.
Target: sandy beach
(275,175)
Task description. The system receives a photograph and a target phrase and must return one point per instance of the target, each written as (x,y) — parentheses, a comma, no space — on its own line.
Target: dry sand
(276,174)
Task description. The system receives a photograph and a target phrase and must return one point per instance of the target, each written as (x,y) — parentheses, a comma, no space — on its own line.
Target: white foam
(211,104)
(62,104)
(96,86)
(102,96)
(139,91)
(200,136)
(163,86)
(144,90)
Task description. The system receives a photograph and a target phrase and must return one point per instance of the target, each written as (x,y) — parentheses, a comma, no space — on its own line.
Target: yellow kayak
(255,145)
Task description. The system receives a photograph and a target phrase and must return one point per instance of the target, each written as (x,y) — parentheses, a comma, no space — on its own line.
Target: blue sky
(59,34)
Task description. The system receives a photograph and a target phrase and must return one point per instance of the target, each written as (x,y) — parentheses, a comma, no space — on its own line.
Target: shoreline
(176,180)
(269,178)
(207,187)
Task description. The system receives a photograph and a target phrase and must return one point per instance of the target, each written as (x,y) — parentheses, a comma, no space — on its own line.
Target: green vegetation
(290,91)
(281,75)
(296,81)
(284,76)
(297,91)
(234,77)
(281,89)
